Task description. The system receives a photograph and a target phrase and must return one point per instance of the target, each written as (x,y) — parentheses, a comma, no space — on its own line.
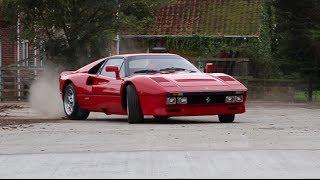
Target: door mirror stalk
(114,69)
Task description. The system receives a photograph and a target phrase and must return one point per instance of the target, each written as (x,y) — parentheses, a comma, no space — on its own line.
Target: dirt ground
(15,114)
(271,140)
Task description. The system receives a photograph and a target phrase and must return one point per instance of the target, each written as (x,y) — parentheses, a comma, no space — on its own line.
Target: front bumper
(156,106)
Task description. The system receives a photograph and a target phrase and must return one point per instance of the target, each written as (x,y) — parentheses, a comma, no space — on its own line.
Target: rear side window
(114,62)
(96,68)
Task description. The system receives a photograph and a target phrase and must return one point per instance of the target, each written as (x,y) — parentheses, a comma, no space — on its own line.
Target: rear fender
(79,80)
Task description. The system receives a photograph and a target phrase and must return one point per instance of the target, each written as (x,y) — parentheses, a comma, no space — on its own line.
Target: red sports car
(160,85)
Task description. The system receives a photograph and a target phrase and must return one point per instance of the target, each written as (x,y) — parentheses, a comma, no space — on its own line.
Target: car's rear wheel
(161,118)
(226,118)
(71,106)
(134,110)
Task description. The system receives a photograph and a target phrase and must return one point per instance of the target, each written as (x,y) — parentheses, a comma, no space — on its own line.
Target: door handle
(103,82)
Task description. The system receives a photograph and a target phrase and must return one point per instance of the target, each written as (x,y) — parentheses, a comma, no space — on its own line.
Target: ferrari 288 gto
(158,85)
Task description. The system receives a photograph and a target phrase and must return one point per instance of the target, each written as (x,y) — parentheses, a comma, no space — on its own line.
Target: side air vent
(226,78)
(159,79)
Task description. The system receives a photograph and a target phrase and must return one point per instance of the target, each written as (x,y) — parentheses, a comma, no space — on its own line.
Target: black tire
(77,113)
(161,118)
(226,118)
(134,110)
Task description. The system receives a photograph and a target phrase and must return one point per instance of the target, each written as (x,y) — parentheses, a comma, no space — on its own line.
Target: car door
(106,87)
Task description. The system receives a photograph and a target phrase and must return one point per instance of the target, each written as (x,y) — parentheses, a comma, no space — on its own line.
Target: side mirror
(114,69)
(209,68)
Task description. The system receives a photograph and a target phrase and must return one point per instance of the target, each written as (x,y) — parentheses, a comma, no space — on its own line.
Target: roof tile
(208,17)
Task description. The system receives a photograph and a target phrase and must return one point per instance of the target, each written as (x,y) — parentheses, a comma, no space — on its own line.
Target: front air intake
(194,80)
(226,78)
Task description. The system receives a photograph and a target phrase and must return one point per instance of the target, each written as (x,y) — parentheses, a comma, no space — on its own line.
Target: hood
(197,82)
(187,80)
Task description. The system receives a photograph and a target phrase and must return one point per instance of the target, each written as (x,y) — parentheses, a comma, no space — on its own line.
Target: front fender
(145,86)
(233,83)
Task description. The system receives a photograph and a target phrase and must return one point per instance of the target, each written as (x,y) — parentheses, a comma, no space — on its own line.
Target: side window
(115,62)
(95,69)
(122,71)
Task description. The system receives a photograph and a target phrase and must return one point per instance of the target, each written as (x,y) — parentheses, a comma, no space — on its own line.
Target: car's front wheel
(226,118)
(134,110)
(71,106)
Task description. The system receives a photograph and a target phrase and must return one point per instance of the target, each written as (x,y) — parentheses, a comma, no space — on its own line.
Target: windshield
(160,64)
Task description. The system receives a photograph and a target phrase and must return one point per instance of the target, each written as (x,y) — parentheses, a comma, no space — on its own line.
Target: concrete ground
(271,140)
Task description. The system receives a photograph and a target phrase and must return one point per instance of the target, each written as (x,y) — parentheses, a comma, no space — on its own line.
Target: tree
(77,31)
(294,43)
(263,48)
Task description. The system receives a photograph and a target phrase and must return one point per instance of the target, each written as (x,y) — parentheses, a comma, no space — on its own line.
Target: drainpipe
(35,58)
(1,85)
(18,60)
(118,43)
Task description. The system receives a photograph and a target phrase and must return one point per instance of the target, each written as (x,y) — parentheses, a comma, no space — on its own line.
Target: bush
(301,96)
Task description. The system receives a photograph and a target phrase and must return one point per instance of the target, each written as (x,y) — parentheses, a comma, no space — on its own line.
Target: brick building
(7,46)
(207,18)
(231,19)
(19,63)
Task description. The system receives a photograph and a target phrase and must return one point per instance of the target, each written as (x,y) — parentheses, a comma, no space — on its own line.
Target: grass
(301,96)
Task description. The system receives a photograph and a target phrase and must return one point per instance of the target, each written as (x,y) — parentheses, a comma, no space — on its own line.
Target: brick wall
(7,44)
(8,47)
(9,53)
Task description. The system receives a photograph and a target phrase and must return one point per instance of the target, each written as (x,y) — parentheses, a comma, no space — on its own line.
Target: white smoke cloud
(44,95)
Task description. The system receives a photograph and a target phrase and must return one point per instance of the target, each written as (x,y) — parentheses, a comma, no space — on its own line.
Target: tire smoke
(44,95)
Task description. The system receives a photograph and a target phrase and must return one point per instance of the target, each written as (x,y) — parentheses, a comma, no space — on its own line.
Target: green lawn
(301,96)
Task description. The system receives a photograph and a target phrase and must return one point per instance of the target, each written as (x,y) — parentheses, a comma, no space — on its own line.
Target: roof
(208,18)
(142,54)
(91,65)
